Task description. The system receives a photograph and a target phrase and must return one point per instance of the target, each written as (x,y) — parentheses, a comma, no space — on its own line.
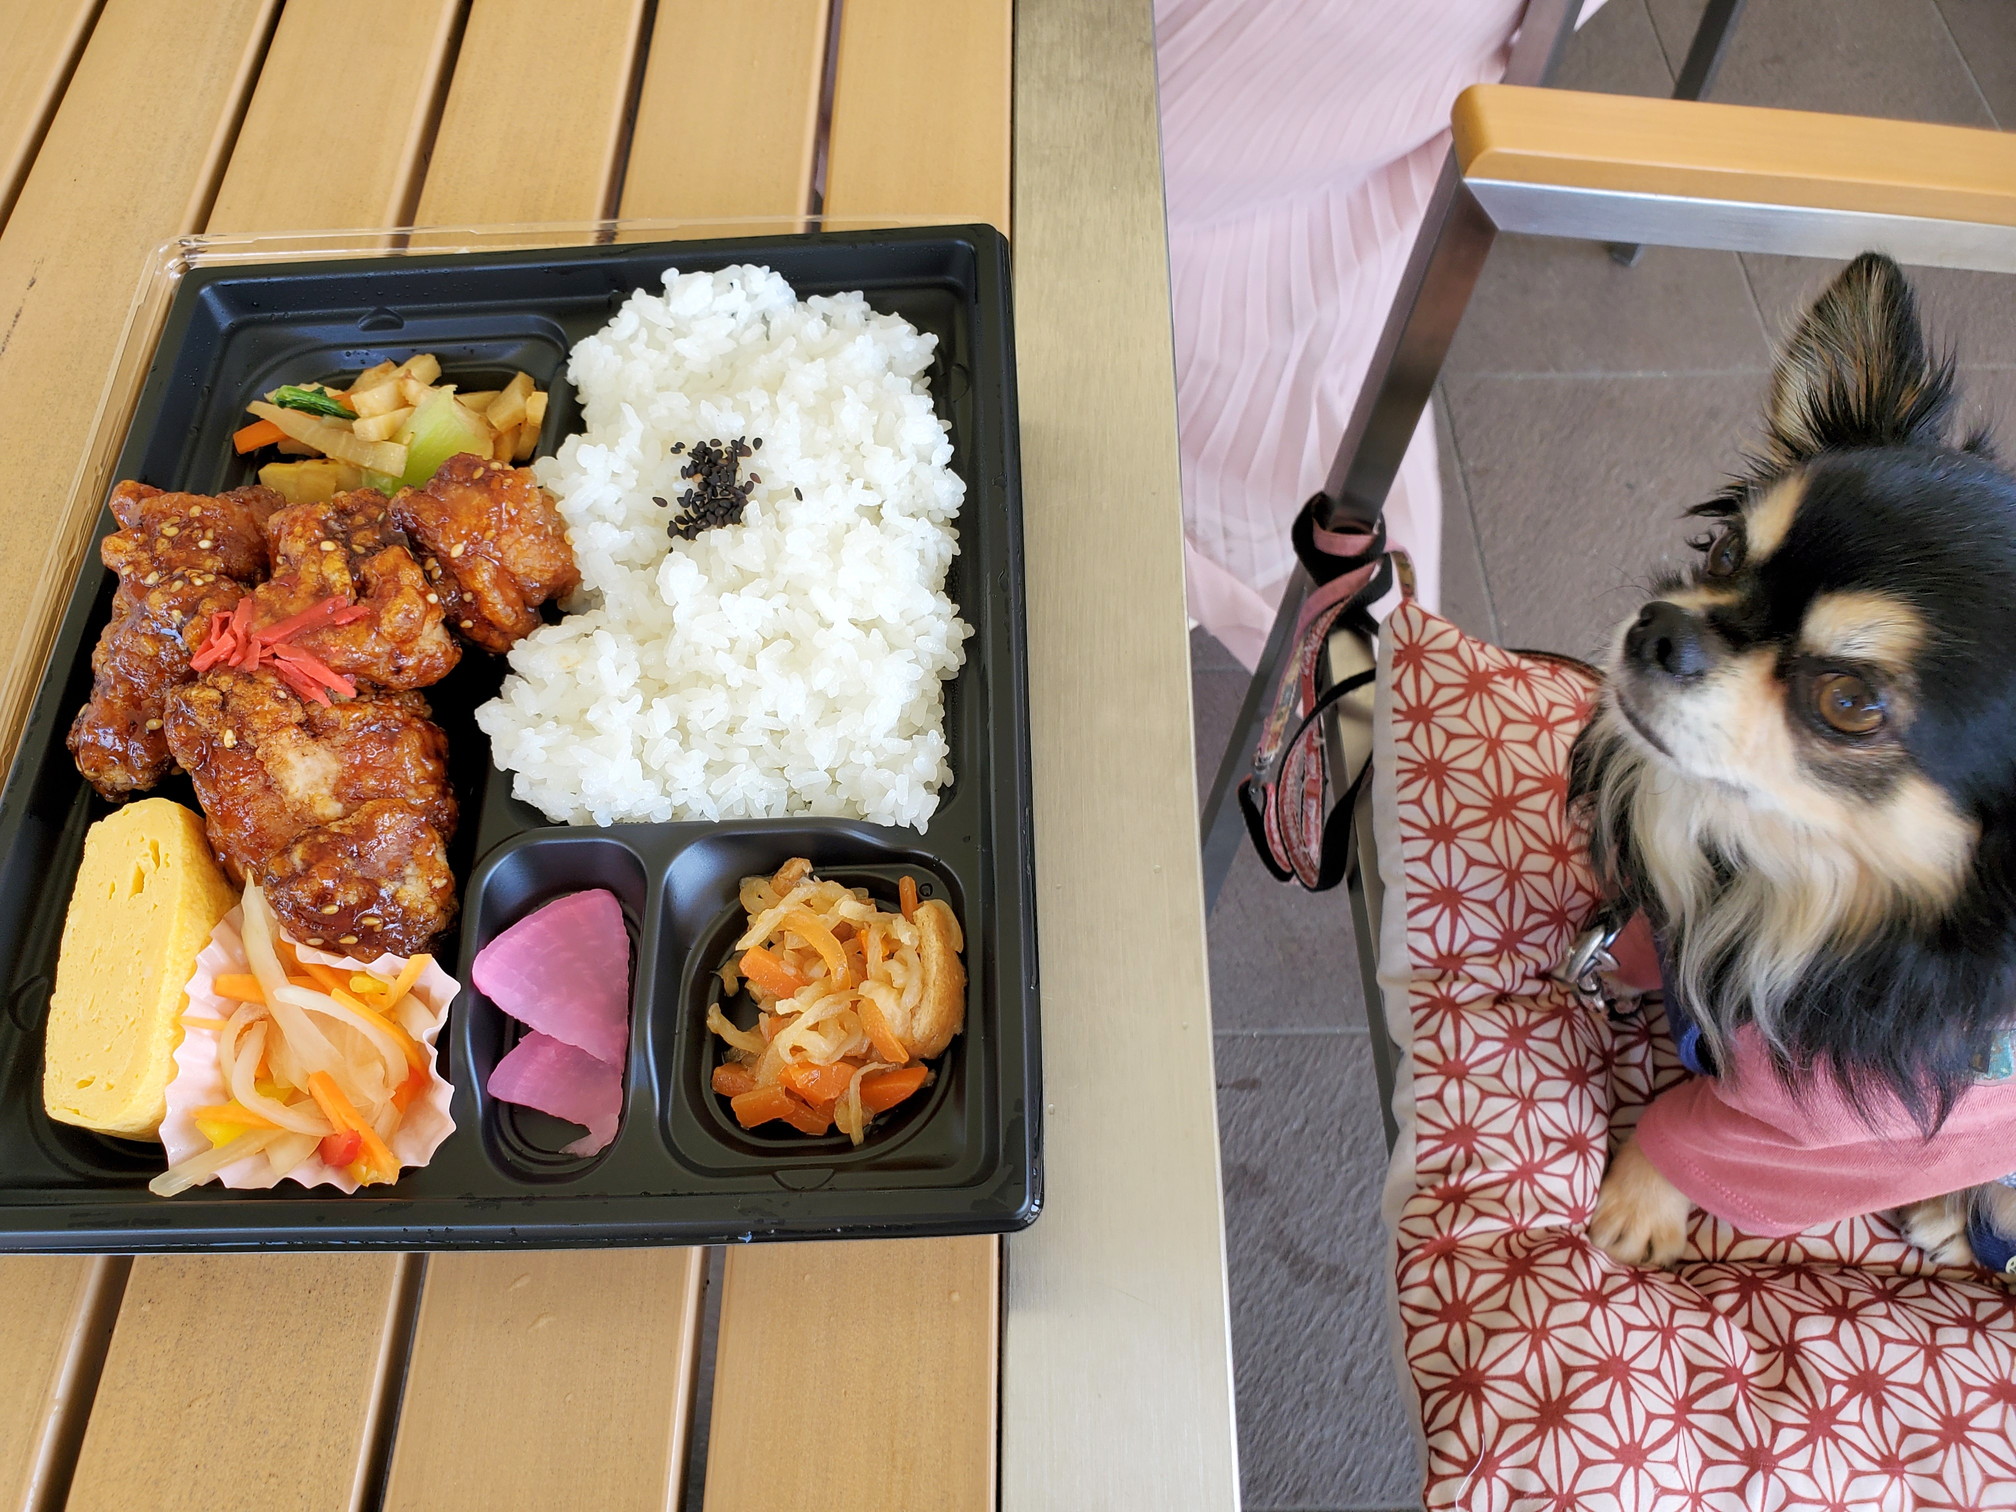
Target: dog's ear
(1856,372)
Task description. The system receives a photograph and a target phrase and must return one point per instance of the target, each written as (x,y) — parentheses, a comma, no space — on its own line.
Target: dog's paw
(1940,1224)
(1641,1217)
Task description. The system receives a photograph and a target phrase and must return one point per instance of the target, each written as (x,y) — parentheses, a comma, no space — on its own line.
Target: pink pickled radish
(557,1078)
(564,970)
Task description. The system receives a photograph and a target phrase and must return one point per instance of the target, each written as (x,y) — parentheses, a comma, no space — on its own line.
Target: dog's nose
(1667,639)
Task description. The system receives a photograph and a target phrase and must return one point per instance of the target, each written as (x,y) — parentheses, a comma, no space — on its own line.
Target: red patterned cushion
(1834,1369)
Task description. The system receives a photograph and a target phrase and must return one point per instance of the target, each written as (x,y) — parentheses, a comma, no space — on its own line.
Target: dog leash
(1298,830)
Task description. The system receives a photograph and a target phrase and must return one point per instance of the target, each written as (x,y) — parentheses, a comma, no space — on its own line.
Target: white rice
(792,664)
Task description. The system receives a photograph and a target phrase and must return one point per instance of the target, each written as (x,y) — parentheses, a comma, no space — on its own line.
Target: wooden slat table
(1081,1364)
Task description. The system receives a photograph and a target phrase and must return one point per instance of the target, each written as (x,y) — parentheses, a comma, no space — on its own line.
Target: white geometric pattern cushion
(1833,1369)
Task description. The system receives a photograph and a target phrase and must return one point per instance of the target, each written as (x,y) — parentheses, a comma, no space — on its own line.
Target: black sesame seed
(718,497)
(798,493)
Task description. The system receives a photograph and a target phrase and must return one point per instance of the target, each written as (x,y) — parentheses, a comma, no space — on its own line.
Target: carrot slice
(769,971)
(732,1079)
(809,1120)
(764,1104)
(885,1089)
(259,433)
(820,1084)
(327,978)
(243,987)
(239,986)
(761,1105)
(379,1163)
(906,895)
(412,1087)
(888,1044)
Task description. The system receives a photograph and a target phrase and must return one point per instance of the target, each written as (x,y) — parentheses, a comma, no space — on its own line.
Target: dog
(1801,771)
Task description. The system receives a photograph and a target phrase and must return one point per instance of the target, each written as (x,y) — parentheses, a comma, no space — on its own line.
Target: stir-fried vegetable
(852,998)
(259,433)
(316,1061)
(315,401)
(392,428)
(312,481)
(438,429)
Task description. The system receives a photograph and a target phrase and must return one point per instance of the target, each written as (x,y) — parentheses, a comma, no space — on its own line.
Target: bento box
(962,1156)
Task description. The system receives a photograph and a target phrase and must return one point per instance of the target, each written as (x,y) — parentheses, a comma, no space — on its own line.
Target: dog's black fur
(1913,983)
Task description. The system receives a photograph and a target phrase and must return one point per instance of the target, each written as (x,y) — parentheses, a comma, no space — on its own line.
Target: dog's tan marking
(1640,1217)
(1863,626)
(1766,522)
(1700,597)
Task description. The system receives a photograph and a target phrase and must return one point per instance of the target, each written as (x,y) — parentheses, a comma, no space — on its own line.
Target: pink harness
(1773,1162)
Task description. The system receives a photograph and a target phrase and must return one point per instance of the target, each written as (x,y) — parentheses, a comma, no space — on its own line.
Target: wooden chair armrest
(1738,176)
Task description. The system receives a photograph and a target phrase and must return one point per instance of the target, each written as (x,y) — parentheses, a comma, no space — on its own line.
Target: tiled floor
(1585,405)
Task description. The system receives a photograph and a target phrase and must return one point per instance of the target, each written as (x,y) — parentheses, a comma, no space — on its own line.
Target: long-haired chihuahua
(1802,769)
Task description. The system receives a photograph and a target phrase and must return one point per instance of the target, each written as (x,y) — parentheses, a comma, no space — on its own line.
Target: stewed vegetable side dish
(853,1000)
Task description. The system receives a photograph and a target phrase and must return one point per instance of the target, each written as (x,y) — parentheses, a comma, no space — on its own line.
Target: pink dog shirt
(1772,1161)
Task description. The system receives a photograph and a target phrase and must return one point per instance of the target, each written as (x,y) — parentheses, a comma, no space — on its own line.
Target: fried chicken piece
(378,876)
(180,558)
(286,785)
(347,548)
(495,547)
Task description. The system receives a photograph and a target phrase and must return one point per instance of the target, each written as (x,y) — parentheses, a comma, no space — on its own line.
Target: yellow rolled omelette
(148,895)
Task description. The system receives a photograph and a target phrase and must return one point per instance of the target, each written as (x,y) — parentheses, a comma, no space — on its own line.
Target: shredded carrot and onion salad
(316,1060)
(847,995)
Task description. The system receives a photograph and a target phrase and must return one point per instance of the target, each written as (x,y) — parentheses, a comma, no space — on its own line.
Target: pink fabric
(1300,141)
(1835,1369)
(1748,1149)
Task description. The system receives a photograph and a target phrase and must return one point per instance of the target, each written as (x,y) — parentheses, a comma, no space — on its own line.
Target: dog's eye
(1724,553)
(1847,703)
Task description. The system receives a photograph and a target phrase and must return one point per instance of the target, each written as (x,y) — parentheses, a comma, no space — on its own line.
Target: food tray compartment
(936,1130)
(963,1156)
(523,1142)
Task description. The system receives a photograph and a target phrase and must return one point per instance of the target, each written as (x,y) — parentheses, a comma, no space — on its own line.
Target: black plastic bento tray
(962,1157)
